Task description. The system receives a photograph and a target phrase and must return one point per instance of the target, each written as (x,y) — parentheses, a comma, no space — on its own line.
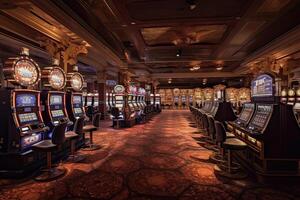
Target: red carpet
(157,160)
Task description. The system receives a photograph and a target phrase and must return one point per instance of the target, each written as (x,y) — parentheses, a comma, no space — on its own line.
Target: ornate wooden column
(101,89)
(124,79)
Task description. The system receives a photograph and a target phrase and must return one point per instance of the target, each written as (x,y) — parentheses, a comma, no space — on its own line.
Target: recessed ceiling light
(124,25)
(219,68)
(178,53)
(133,23)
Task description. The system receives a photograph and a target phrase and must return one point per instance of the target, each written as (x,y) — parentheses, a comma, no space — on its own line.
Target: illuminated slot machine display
(21,121)
(89,100)
(96,102)
(119,99)
(272,133)
(291,97)
(143,97)
(53,98)
(74,100)
(283,97)
(140,97)
(157,100)
(152,99)
(130,98)
(238,126)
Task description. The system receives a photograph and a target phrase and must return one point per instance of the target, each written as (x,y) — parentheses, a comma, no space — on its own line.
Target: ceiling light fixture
(194,68)
(133,23)
(178,53)
(192,4)
(219,68)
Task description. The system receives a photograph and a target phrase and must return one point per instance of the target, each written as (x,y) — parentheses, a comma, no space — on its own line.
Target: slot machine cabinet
(21,122)
(283,97)
(74,101)
(272,134)
(291,97)
(96,102)
(119,102)
(53,98)
(152,99)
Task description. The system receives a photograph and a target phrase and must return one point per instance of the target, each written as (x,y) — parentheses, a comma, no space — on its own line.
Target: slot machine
(119,99)
(152,99)
(243,119)
(291,97)
(21,121)
(157,101)
(53,98)
(96,102)
(74,101)
(283,97)
(130,97)
(272,133)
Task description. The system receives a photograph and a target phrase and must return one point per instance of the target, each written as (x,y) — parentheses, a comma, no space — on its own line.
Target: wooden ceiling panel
(271,6)
(248,30)
(176,9)
(199,34)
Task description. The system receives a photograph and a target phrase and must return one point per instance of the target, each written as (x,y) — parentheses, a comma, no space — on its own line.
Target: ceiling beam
(80,28)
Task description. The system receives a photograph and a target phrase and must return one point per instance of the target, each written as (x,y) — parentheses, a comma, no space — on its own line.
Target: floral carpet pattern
(156,160)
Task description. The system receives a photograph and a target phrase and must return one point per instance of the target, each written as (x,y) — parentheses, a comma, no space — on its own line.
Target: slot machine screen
(77,111)
(262,86)
(247,112)
(77,99)
(89,101)
(96,103)
(27,117)
(56,100)
(26,100)
(57,113)
(261,116)
(119,98)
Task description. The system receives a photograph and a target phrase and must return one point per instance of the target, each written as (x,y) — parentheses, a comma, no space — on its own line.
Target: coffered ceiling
(212,34)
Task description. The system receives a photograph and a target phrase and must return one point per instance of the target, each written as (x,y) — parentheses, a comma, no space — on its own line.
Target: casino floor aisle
(156,160)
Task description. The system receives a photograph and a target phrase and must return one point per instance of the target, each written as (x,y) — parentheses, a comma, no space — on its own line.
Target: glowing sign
(26,72)
(57,78)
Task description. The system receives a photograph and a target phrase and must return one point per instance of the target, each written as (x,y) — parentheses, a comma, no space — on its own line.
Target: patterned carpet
(158,160)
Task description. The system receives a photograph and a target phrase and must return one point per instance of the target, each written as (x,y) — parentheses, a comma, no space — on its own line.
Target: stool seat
(71,134)
(229,135)
(234,144)
(44,146)
(89,128)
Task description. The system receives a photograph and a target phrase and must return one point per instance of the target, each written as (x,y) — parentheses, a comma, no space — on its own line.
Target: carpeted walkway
(158,160)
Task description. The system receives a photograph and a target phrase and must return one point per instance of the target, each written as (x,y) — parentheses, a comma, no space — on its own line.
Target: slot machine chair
(90,129)
(48,146)
(221,136)
(229,143)
(116,116)
(72,136)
